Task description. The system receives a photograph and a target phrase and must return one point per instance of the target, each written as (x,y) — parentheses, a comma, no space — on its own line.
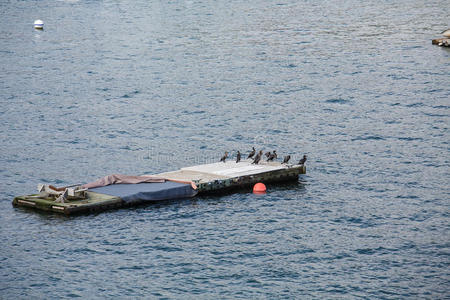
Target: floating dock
(441,42)
(208,178)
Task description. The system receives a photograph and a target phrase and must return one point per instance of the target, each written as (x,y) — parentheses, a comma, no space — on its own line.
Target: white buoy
(38,24)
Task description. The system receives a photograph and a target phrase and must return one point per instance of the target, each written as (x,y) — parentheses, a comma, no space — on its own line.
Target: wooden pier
(208,178)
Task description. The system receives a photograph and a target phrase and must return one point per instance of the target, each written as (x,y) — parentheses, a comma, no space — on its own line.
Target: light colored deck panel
(188,175)
(231,169)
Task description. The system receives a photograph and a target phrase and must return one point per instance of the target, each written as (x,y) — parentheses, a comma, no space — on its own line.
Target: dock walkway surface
(207,178)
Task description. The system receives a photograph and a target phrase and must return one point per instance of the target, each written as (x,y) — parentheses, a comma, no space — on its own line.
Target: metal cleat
(76,192)
(63,197)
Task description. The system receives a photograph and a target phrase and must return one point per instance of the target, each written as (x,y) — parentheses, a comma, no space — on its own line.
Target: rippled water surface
(149,86)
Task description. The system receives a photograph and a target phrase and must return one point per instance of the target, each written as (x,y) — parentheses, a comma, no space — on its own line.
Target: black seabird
(224,157)
(286,159)
(257,158)
(272,156)
(302,161)
(238,157)
(252,153)
(275,154)
(267,154)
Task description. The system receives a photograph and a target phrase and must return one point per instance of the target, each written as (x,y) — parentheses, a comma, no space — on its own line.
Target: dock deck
(218,176)
(208,178)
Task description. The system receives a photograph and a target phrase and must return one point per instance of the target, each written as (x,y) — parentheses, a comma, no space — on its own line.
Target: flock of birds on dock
(270,156)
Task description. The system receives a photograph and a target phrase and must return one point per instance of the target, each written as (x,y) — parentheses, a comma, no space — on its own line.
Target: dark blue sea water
(140,86)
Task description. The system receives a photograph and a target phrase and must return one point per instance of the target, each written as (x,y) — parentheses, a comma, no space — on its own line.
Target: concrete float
(184,183)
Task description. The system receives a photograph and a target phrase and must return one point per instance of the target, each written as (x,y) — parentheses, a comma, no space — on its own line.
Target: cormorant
(238,157)
(272,156)
(224,157)
(251,153)
(302,161)
(286,159)
(257,158)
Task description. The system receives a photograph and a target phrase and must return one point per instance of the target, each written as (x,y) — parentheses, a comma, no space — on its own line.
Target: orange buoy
(259,188)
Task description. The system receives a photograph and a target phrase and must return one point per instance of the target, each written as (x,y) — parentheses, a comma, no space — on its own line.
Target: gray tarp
(142,192)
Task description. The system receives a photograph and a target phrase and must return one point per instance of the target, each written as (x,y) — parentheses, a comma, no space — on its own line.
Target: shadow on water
(41,213)
(272,188)
(50,215)
(299,186)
